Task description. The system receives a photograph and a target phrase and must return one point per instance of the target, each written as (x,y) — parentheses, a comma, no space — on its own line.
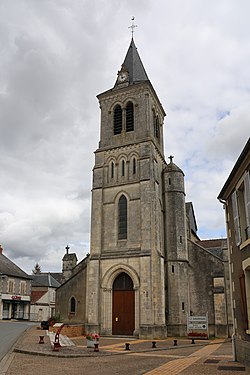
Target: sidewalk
(30,357)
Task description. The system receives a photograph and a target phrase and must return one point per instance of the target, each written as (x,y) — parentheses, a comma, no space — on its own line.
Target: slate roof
(7,267)
(134,66)
(243,156)
(191,216)
(44,279)
(57,276)
(70,256)
(215,246)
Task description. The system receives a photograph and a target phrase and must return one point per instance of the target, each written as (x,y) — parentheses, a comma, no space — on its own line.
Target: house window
(241,210)
(245,294)
(11,286)
(117,119)
(22,287)
(72,305)
(122,218)
(129,117)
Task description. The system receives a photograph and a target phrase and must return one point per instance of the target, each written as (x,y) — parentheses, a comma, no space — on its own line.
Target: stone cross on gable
(67,249)
(171,158)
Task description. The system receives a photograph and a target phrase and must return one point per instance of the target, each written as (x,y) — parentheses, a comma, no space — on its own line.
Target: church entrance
(123,311)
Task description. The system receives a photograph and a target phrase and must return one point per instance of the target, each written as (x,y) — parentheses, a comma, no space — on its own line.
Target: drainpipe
(230,281)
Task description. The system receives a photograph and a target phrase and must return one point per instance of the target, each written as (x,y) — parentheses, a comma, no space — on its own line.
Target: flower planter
(91,343)
(92,339)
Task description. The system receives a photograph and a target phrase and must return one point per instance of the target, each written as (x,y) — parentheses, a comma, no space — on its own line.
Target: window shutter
(247,201)
(236,218)
(243,300)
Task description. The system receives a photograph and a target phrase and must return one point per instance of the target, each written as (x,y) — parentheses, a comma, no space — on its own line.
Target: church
(147,269)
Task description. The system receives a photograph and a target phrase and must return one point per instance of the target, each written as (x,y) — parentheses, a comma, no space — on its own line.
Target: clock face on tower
(122,76)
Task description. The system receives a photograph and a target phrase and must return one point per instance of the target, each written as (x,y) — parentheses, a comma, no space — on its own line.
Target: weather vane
(133,26)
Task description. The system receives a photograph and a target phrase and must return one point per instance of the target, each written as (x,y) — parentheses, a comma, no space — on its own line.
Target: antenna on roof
(133,26)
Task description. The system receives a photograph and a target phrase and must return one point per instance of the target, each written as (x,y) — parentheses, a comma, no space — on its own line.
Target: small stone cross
(171,158)
(67,248)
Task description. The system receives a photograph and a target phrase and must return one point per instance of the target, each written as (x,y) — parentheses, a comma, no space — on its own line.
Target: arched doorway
(123,311)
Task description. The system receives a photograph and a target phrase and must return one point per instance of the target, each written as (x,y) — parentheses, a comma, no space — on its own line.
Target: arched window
(122,218)
(123,282)
(129,117)
(112,169)
(117,119)
(123,168)
(156,125)
(134,166)
(72,305)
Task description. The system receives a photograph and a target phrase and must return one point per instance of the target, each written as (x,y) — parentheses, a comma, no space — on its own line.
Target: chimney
(1,249)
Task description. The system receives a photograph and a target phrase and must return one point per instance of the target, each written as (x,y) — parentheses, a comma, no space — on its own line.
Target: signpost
(197,326)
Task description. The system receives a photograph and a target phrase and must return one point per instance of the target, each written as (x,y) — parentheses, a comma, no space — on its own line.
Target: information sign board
(197,326)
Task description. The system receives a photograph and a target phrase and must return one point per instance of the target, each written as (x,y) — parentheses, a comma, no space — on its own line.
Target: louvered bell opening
(117,120)
(129,117)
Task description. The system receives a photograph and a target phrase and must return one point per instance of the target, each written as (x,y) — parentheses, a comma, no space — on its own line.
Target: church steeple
(132,70)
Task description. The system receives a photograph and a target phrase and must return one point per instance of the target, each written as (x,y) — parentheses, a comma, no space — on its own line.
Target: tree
(37,269)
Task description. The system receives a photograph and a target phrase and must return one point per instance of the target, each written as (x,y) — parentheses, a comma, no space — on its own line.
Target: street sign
(197,326)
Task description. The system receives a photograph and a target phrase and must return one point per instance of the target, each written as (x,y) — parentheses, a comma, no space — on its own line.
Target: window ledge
(244,244)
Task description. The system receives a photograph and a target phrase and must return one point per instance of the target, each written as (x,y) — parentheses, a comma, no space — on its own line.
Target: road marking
(157,355)
(206,351)
(174,367)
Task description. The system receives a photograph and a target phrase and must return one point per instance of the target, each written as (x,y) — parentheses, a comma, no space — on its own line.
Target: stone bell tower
(176,255)
(126,275)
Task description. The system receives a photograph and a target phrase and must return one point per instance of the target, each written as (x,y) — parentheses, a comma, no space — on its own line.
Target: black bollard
(192,341)
(127,346)
(175,342)
(153,344)
(41,341)
(96,349)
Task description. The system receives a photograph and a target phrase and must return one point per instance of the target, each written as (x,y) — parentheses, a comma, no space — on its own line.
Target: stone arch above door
(113,272)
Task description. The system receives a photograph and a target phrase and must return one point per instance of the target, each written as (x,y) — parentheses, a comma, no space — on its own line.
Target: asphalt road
(9,333)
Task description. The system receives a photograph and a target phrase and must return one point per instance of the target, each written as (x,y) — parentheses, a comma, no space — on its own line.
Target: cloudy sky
(57,55)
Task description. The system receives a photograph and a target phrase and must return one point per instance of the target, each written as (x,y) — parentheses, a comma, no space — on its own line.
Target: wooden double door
(123,310)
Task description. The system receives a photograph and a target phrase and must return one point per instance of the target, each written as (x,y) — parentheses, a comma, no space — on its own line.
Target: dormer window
(129,117)
(117,119)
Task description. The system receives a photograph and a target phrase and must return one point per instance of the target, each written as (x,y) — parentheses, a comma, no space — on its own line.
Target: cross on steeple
(133,26)
(171,158)
(67,249)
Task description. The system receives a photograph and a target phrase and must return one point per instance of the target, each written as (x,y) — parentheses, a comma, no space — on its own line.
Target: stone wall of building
(207,289)
(242,351)
(74,287)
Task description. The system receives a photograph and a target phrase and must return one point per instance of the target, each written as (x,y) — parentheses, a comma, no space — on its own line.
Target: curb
(8,358)
(102,354)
